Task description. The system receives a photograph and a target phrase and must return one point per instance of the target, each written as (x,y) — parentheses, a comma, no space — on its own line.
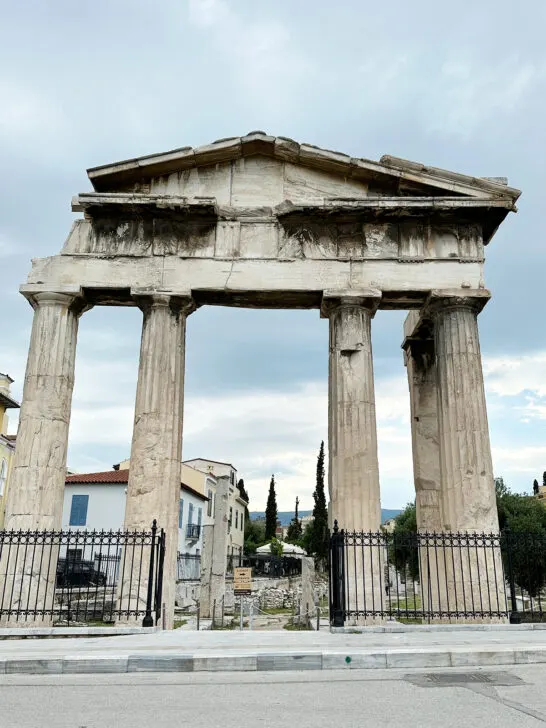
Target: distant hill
(286,516)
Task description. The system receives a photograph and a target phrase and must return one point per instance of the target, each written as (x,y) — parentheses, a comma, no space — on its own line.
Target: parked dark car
(78,574)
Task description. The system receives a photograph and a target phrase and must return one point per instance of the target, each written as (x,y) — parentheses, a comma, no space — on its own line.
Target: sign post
(242,585)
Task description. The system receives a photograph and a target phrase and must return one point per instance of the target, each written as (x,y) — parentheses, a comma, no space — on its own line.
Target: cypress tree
(294,532)
(320,535)
(271,512)
(244,495)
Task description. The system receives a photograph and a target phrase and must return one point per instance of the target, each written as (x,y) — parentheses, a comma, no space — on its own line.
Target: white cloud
(8,247)
(261,52)
(454,96)
(25,112)
(207,13)
(471,94)
(513,375)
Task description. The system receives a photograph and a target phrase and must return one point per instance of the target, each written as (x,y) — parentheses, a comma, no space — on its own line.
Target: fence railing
(188,567)
(424,577)
(271,566)
(81,576)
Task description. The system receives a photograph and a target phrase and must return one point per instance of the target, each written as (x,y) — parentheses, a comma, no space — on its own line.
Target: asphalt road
(353,699)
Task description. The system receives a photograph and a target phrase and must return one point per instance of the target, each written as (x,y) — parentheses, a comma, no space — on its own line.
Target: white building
(96,501)
(206,473)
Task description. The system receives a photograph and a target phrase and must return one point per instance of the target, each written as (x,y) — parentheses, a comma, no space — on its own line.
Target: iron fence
(273,566)
(424,577)
(188,567)
(81,576)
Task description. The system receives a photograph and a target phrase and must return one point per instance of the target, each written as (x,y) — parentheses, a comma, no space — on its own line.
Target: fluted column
(420,361)
(474,568)
(421,368)
(353,473)
(156,451)
(35,496)
(465,451)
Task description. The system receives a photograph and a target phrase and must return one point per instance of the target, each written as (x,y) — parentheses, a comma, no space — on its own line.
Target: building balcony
(193,532)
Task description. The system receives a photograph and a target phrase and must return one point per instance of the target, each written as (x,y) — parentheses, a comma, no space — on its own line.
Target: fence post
(148,620)
(198,614)
(159,605)
(515,618)
(337,578)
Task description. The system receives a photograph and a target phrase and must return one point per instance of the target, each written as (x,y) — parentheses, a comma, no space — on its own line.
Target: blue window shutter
(190,515)
(199,516)
(78,510)
(180,512)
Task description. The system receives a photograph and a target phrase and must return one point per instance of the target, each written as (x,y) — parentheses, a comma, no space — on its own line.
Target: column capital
(69,297)
(439,301)
(367,298)
(179,302)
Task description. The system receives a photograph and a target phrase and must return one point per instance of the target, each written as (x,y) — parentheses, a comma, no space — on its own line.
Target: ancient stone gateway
(265,222)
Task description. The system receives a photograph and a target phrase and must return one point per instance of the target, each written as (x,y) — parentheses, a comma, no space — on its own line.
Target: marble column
(420,361)
(353,474)
(466,470)
(35,496)
(352,439)
(421,368)
(153,490)
(214,557)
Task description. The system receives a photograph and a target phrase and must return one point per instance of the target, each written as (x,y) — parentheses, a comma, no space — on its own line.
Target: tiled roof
(109,476)
(116,476)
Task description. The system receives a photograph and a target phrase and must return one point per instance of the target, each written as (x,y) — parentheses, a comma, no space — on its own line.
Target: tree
(294,532)
(244,496)
(403,551)
(544,478)
(276,547)
(254,535)
(522,520)
(307,538)
(320,537)
(271,512)
(535,487)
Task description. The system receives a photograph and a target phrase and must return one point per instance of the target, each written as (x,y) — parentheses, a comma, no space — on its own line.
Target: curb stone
(275,661)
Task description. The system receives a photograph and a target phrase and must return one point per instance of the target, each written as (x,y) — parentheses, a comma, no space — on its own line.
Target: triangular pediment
(259,169)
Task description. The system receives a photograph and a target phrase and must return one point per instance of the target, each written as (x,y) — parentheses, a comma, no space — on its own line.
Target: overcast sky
(459,86)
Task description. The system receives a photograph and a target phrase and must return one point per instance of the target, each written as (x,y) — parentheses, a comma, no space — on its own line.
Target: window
(78,510)
(232,478)
(180,512)
(199,516)
(3,476)
(236,519)
(190,514)
(242,522)
(209,504)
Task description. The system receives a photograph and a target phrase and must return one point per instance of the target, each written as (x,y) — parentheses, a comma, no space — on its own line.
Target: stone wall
(283,593)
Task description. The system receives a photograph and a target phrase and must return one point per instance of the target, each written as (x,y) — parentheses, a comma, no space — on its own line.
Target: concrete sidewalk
(181,650)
